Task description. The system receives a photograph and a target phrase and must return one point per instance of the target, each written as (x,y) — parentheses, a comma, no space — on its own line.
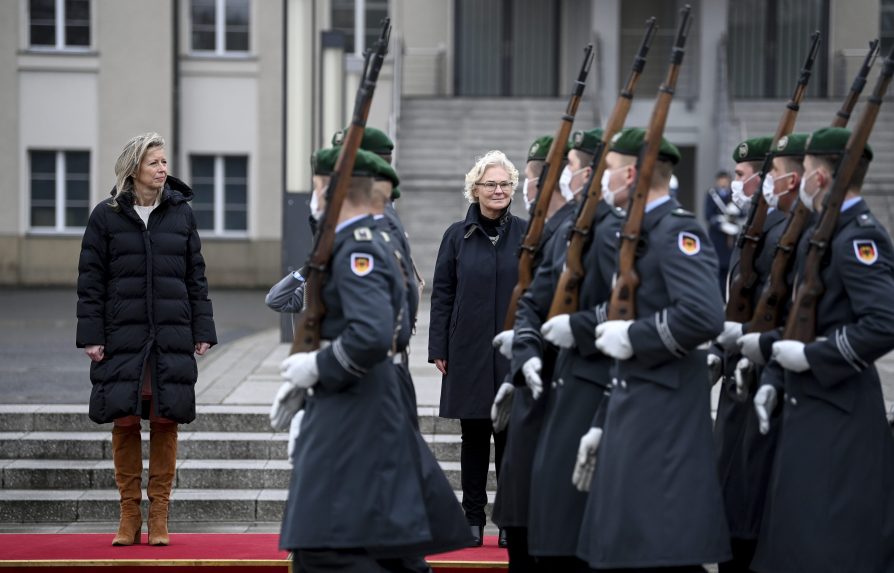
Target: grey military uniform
(831,500)
(655,499)
(347,488)
(578,386)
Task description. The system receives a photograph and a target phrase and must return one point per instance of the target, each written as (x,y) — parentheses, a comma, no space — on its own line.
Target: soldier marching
(613,462)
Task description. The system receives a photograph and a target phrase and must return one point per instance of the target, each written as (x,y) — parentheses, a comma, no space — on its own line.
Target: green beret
(373,140)
(586,141)
(754,149)
(832,141)
(367,164)
(792,144)
(629,141)
(540,148)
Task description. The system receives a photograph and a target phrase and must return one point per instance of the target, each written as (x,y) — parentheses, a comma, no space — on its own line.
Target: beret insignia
(743,150)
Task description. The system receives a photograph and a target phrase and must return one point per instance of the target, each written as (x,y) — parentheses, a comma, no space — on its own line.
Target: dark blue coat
(471,289)
(655,499)
(141,292)
(831,501)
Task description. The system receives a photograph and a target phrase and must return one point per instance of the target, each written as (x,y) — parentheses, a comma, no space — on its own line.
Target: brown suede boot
(162,464)
(128,460)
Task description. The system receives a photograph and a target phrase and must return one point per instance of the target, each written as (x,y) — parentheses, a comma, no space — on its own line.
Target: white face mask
(528,202)
(608,194)
(807,199)
(565,183)
(738,188)
(315,210)
(769,185)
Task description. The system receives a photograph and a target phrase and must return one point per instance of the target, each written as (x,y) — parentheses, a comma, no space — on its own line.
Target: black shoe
(502,541)
(477,535)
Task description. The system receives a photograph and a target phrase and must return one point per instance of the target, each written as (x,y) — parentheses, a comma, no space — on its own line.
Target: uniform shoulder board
(865,220)
(363,234)
(385,236)
(682,213)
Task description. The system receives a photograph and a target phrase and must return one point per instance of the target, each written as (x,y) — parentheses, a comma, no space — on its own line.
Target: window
(343,20)
(219,26)
(634,13)
(60,190)
(59,24)
(886,32)
(220,185)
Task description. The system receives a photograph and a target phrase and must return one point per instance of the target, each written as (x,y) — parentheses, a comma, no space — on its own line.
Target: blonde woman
(143,311)
(476,270)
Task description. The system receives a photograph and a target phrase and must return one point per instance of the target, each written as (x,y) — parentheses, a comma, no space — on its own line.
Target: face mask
(315,210)
(528,202)
(608,194)
(739,197)
(807,199)
(565,183)
(767,189)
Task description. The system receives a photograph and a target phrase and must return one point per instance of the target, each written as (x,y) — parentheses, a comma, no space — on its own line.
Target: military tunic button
(614,381)
(561,382)
(553,384)
(793,401)
(624,384)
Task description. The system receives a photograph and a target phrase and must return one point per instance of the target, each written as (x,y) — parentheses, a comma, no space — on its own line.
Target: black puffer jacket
(143,292)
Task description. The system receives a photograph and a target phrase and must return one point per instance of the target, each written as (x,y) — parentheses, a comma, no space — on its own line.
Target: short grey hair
(493,158)
(129,160)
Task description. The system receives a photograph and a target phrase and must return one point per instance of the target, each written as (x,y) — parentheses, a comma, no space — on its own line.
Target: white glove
(743,375)
(503,343)
(732,331)
(715,368)
(764,403)
(557,331)
(531,371)
(300,369)
(729,228)
(288,401)
(750,347)
(790,355)
(586,459)
(613,339)
(733,209)
(294,431)
(502,406)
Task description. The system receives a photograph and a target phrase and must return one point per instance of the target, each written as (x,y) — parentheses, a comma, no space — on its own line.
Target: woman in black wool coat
(476,270)
(143,310)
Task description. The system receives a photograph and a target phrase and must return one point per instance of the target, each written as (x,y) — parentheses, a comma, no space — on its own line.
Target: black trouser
(353,561)
(743,553)
(519,560)
(474,459)
(566,564)
(682,569)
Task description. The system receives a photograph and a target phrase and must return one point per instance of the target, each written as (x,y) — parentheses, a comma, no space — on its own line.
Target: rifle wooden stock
(307,325)
(567,295)
(623,300)
(768,311)
(801,323)
(545,187)
(739,307)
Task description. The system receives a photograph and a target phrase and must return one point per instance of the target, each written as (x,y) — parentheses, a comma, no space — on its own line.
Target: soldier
(654,498)
(830,506)
(513,491)
(347,507)
(744,454)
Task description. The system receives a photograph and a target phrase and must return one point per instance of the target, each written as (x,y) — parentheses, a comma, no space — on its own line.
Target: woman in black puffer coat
(143,310)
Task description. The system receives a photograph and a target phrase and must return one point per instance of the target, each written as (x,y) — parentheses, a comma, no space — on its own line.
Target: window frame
(59,45)
(219,201)
(60,197)
(220,33)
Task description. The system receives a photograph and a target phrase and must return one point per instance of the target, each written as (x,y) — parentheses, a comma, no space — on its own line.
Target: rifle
(801,323)
(545,186)
(739,307)
(307,324)
(623,300)
(565,300)
(768,312)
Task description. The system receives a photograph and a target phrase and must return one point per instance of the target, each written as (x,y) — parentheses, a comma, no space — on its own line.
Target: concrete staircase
(57,466)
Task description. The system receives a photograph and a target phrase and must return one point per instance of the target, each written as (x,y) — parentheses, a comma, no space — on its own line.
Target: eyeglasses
(491,186)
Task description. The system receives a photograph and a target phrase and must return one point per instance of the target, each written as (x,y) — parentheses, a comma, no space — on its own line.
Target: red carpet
(191,552)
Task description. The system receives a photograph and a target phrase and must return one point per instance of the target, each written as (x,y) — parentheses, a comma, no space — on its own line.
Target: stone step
(210,505)
(222,418)
(191,474)
(191,445)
